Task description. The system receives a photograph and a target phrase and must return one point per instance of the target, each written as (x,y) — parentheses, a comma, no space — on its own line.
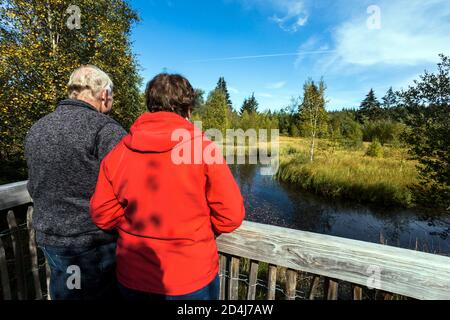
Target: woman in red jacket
(166,200)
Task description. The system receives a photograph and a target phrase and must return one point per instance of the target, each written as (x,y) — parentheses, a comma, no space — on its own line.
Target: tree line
(416,118)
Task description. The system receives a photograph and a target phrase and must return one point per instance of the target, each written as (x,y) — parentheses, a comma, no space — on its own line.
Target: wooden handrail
(13,195)
(401,271)
(406,272)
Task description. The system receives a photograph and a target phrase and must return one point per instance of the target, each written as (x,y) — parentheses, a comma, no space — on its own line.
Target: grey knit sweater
(63,152)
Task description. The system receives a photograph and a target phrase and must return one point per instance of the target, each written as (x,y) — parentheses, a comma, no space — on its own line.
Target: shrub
(385,131)
(346,130)
(294,131)
(375,149)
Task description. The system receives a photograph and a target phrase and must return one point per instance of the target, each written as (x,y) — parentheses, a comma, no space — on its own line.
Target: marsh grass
(349,174)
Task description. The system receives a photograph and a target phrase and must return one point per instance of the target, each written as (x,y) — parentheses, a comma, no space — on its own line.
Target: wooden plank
(357,293)
(272,282)
(314,293)
(388,296)
(406,272)
(332,292)
(18,256)
(253,279)
(6,289)
(291,284)
(47,275)
(13,195)
(222,276)
(33,255)
(233,285)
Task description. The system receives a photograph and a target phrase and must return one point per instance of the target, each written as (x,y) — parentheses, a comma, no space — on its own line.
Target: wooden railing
(257,261)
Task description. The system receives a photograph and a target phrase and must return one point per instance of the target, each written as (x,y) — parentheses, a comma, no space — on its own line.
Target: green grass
(349,174)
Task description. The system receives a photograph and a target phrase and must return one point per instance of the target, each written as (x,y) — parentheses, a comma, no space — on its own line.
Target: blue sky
(270,47)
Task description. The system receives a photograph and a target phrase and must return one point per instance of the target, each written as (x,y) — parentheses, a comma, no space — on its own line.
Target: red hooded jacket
(167,202)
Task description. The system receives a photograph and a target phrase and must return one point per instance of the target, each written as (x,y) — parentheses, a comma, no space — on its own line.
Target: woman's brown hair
(170,93)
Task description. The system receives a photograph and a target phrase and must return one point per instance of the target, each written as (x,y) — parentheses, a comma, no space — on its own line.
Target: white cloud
(290,15)
(412,32)
(311,47)
(276,85)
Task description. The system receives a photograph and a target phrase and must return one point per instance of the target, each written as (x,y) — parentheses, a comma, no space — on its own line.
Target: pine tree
(215,115)
(370,109)
(313,116)
(428,104)
(39,51)
(222,86)
(250,105)
(391,106)
(390,99)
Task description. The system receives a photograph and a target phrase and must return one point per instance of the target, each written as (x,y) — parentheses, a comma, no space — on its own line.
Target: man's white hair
(88,82)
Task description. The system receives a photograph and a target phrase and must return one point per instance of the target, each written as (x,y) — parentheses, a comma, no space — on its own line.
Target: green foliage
(428,105)
(385,131)
(370,109)
(345,130)
(287,118)
(215,113)
(312,113)
(250,105)
(375,149)
(222,86)
(390,99)
(257,121)
(199,99)
(294,131)
(38,53)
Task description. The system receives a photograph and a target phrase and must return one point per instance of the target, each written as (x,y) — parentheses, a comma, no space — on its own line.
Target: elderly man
(63,152)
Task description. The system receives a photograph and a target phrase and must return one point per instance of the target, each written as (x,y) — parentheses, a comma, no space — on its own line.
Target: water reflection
(271,202)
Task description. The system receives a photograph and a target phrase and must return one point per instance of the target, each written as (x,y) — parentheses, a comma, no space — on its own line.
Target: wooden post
(233,285)
(314,288)
(18,255)
(222,275)
(357,293)
(47,275)
(388,296)
(291,284)
(4,273)
(33,254)
(253,279)
(272,282)
(332,293)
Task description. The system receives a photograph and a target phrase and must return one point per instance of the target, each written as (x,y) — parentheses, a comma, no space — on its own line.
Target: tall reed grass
(349,174)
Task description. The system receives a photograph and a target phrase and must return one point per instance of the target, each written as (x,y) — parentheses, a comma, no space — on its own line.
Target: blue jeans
(209,292)
(82,273)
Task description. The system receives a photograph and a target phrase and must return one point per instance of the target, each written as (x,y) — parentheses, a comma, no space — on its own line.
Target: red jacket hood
(152,132)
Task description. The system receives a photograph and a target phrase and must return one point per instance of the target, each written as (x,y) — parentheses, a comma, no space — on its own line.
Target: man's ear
(105,96)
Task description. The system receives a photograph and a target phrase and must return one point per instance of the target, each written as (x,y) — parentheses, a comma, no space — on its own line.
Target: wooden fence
(254,259)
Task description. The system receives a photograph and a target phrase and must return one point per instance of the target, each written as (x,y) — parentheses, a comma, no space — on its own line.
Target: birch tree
(313,116)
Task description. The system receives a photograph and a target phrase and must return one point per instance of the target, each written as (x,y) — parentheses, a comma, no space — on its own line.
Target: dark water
(271,202)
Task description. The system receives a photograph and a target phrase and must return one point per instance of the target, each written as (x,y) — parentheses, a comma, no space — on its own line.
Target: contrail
(300,53)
